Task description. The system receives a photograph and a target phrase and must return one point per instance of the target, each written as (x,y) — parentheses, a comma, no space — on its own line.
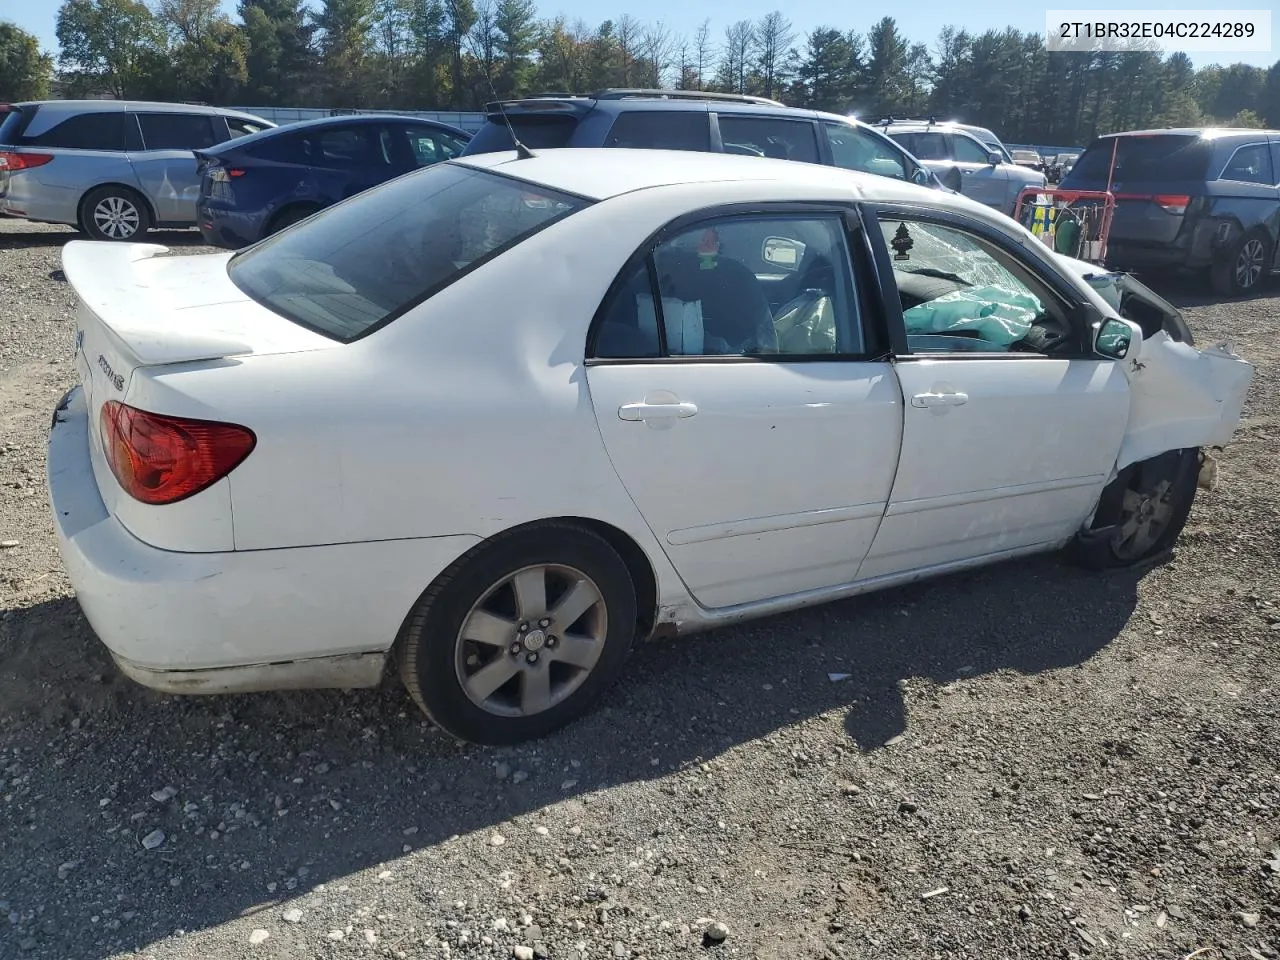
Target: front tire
(1141,512)
(116,214)
(521,635)
(1244,267)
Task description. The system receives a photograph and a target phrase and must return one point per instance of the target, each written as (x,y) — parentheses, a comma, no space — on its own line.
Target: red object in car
(159,459)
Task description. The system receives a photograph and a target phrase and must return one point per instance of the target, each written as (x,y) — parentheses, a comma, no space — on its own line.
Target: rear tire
(1244,268)
(521,635)
(116,214)
(1142,512)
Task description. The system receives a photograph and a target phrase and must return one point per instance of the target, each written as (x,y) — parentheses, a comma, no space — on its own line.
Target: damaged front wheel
(1141,512)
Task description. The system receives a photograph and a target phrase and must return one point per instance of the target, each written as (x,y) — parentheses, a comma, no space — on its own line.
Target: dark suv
(1191,199)
(699,121)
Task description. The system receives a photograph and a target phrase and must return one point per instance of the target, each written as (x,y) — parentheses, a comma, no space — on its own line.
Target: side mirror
(920,177)
(994,159)
(782,252)
(1117,339)
(952,179)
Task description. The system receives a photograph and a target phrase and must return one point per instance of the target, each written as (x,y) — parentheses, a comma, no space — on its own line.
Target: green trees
(459,54)
(24,71)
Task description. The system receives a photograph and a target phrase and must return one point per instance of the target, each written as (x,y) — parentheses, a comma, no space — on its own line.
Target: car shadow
(17,239)
(277,793)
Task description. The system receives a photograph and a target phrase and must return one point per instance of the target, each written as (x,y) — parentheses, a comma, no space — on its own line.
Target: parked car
(987,174)
(1060,166)
(1029,159)
(436,423)
(112,168)
(1191,199)
(698,121)
(255,186)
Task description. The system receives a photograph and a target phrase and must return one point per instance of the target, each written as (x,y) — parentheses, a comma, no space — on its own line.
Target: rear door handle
(656,411)
(939,399)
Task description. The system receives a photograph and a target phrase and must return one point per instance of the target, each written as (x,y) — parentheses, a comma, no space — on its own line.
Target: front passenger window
(968,151)
(959,296)
(855,149)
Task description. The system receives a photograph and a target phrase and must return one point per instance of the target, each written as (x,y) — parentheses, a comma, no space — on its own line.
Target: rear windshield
(359,264)
(12,121)
(534,132)
(1161,158)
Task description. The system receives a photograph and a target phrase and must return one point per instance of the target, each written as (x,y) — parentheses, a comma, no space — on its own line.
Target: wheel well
(638,565)
(275,218)
(146,202)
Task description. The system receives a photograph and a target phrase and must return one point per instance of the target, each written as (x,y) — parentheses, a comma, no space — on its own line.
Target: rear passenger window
(662,130)
(88,131)
(281,149)
(176,131)
(775,286)
(924,146)
(1249,164)
(347,147)
(769,137)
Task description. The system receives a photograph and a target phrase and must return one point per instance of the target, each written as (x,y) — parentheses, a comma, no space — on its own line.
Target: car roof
(152,106)
(692,102)
(357,119)
(598,173)
(1209,133)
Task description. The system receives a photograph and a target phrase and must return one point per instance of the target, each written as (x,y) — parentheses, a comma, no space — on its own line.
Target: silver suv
(112,168)
(987,172)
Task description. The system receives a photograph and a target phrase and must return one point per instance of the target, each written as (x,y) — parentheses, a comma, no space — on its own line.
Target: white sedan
(497,419)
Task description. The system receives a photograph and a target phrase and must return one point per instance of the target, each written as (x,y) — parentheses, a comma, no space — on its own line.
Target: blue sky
(920,20)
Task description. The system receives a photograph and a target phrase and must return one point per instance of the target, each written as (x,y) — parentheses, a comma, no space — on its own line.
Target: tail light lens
(224,175)
(22,161)
(158,459)
(1172,203)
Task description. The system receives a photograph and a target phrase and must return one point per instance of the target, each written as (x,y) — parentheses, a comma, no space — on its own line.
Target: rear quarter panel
(53,191)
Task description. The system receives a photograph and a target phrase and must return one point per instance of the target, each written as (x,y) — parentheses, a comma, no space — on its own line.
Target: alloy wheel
(1250,263)
(1145,515)
(116,217)
(531,640)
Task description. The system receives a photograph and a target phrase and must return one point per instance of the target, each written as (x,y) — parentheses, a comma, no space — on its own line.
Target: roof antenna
(522,152)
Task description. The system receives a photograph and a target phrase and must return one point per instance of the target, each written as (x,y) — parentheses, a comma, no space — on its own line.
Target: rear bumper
(233,621)
(227,228)
(27,198)
(1195,247)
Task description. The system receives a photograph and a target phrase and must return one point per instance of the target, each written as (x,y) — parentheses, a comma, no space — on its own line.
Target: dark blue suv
(253,186)
(700,121)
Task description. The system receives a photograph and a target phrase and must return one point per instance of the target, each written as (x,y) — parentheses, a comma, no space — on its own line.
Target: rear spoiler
(106,278)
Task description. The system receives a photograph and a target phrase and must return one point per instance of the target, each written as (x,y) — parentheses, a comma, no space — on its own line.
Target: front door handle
(656,411)
(939,399)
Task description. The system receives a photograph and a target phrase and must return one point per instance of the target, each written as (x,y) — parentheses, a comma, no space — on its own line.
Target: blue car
(253,186)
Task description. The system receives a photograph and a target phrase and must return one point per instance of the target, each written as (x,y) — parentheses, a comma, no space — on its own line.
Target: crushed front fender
(1182,397)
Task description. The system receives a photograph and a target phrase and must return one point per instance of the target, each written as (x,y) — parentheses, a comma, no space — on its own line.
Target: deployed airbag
(995,313)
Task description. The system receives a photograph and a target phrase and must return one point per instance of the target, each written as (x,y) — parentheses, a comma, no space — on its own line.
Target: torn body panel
(1181,397)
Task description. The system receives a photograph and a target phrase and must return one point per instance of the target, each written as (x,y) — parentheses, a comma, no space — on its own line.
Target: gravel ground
(1027,761)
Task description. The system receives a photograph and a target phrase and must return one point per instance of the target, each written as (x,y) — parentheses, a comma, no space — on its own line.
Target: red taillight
(1171,202)
(22,161)
(159,459)
(235,172)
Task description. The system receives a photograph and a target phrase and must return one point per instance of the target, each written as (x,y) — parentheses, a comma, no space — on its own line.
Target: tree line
(460,54)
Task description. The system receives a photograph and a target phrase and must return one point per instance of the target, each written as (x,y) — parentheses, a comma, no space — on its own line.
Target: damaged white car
(495,420)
